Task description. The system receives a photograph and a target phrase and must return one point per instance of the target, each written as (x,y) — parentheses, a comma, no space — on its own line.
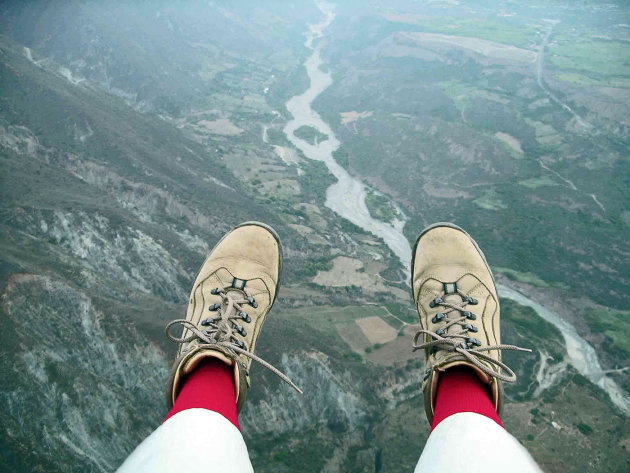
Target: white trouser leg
(196,440)
(471,443)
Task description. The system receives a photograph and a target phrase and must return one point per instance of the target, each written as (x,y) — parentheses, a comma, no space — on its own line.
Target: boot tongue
(450,293)
(452,297)
(234,293)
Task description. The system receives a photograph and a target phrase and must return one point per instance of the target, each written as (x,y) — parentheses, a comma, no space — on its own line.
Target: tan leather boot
(458,306)
(233,292)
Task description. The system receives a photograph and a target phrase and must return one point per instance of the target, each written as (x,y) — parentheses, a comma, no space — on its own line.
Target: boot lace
(460,341)
(222,330)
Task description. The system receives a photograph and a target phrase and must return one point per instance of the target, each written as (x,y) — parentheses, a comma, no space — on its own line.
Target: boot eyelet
(214,307)
(471,328)
(441,332)
(215,291)
(245,316)
(469,315)
(207,321)
(436,301)
(438,317)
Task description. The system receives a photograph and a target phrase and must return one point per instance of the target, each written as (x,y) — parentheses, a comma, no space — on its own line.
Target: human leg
(461,390)
(473,443)
(458,308)
(193,440)
(207,387)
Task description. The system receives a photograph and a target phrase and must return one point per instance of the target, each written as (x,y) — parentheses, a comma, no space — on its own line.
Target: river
(347,198)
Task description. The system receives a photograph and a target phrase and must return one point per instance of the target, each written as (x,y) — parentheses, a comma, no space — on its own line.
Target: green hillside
(134,135)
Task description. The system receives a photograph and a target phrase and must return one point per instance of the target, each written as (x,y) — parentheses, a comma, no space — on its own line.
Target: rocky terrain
(133,135)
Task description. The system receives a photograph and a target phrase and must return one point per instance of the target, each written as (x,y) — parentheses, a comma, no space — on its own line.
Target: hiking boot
(458,307)
(234,290)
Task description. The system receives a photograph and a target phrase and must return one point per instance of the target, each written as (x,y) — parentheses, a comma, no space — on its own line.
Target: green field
(600,61)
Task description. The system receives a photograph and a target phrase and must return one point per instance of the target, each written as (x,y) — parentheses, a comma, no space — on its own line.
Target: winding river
(347,198)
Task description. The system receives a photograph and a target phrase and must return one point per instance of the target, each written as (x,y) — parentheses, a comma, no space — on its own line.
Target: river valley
(347,198)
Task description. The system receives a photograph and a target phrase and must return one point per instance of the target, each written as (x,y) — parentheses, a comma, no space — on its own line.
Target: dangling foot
(233,292)
(458,307)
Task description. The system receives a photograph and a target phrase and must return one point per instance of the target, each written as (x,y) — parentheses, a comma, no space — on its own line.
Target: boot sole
(449,225)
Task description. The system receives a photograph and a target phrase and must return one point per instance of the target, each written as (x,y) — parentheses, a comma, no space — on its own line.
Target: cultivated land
(129,146)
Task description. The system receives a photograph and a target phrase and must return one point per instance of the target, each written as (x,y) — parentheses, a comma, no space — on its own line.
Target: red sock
(209,386)
(461,390)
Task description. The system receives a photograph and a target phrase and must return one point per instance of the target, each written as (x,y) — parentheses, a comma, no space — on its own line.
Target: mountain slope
(128,147)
